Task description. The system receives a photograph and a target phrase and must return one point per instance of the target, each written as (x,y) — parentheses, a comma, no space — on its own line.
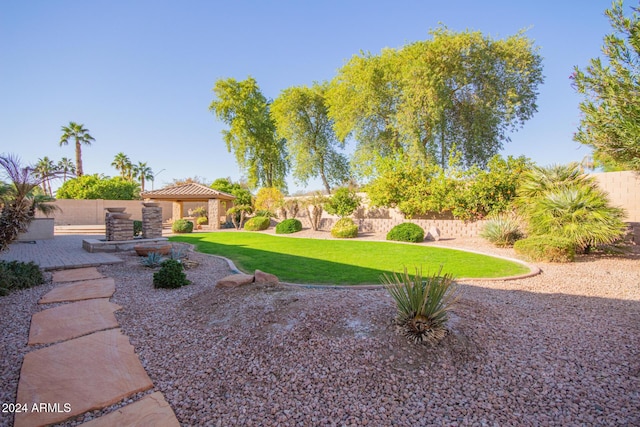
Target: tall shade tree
(66,167)
(44,170)
(301,117)
(123,164)
(143,172)
(611,109)
(454,92)
(252,132)
(80,135)
(362,102)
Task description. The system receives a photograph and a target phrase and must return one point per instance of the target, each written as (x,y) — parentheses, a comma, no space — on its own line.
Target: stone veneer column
(213,212)
(151,222)
(118,228)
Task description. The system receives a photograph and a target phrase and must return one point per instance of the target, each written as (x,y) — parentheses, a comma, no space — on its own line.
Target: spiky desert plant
(502,230)
(581,214)
(19,200)
(539,181)
(423,304)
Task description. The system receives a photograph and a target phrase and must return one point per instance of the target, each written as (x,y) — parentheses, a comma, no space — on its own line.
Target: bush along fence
(448,227)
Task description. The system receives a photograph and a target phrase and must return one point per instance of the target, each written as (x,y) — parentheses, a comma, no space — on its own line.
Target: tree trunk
(79,171)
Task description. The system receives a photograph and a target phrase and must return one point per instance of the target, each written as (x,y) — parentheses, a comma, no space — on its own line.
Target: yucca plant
(502,230)
(423,304)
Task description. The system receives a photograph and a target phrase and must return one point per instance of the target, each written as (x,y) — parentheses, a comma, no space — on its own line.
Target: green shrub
(546,248)
(422,305)
(182,226)
(502,231)
(257,223)
(343,203)
(202,220)
(170,275)
(137,227)
(19,275)
(406,232)
(345,228)
(562,201)
(289,226)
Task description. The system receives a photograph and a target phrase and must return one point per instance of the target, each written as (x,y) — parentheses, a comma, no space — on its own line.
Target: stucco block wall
(91,212)
(624,191)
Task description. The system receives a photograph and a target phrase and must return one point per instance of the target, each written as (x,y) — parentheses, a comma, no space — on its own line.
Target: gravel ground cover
(561,348)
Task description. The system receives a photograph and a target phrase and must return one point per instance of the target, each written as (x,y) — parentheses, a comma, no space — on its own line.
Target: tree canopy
(300,114)
(611,109)
(95,187)
(80,135)
(454,92)
(251,136)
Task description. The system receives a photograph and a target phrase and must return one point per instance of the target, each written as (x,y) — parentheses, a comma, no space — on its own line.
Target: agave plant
(423,304)
(19,199)
(152,260)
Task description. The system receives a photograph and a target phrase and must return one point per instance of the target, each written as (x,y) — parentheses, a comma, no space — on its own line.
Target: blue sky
(139,74)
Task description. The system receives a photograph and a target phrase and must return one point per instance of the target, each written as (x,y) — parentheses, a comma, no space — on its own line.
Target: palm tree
(43,170)
(123,164)
(66,167)
(143,172)
(18,201)
(80,135)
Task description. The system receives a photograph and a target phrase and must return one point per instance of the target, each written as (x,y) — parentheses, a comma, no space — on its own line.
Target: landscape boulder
(234,281)
(262,277)
(434,233)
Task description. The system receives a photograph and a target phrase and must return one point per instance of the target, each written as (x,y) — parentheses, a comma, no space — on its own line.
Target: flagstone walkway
(90,363)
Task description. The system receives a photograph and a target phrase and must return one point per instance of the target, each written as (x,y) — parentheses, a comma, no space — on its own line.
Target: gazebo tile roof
(187,191)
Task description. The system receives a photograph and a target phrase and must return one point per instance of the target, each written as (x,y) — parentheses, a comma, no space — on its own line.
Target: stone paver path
(78,291)
(72,320)
(151,410)
(92,365)
(76,274)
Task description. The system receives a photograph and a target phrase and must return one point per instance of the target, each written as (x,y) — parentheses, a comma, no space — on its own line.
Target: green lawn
(341,262)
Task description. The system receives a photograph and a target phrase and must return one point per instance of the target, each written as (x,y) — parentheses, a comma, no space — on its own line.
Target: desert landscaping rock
(266,278)
(561,348)
(152,410)
(433,234)
(72,320)
(234,280)
(86,373)
(76,274)
(78,291)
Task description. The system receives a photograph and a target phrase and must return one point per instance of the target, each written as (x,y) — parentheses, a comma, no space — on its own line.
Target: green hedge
(289,226)
(546,248)
(406,232)
(182,226)
(345,228)
(257,223)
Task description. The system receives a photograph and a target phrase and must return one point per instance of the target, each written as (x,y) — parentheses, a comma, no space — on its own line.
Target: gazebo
(217,202)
